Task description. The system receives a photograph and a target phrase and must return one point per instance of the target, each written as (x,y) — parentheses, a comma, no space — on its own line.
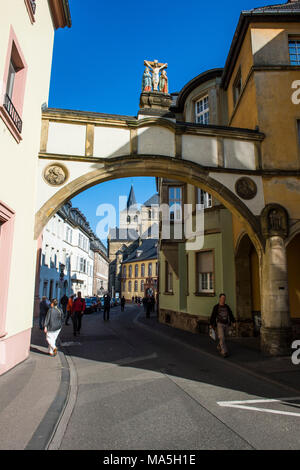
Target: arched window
(150,269)
(130,271)
(143,270)
(136,271)
(128,219)
(136,219)
(149,214)
(129,286)
(135,286)
(142,286)
(124,271)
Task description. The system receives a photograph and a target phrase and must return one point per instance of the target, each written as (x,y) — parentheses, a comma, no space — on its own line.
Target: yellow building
(140,271)
(258,89)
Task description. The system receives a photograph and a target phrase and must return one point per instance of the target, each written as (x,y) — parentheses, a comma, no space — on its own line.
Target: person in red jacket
(78,309)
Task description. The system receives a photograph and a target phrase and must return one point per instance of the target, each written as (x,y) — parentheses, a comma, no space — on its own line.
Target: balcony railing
(33,6)
(8,105)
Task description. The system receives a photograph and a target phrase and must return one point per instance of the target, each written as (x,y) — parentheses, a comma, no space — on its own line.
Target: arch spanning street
(79,150)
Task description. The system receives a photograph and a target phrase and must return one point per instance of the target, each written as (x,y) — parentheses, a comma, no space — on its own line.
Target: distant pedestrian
(221,318)
(52,326)
(148,306)
(44,307)
(78,309)
(132,300)
(64,302)
(106,310)
(123,301)
(69,308)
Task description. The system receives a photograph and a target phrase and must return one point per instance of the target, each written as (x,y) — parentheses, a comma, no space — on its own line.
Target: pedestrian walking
(148,306)
(123,301)
(221,319)
(44,307)
(106,309)
(64,302)
(52,326)
(78,309)
(69,309)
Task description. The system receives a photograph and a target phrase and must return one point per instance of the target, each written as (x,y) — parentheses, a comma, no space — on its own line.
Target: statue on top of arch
(158,82)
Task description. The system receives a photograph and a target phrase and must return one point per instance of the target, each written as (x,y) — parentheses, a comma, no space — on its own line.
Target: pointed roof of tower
(131,198)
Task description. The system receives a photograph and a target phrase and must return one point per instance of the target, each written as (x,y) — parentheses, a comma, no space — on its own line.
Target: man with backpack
(221,319)
(78,309)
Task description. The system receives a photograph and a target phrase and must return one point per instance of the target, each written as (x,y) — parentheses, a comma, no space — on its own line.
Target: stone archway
(293,268)
(155,166)
(247,274)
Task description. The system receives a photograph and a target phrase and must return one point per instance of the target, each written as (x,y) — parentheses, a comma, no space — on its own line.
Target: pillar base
(276,341)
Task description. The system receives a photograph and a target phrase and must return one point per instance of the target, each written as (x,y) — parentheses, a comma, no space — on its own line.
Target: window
(204,198)
(136,271)
(150,269)
(129,286)
(45,288)
(136,219)
(124,271)
(143,270)
(294,48)
(169,279)
(205,272)
(11,104)
(149,215)
(142,286)
(156,269)
(130,271)
(175,202)
(202,111)
(135,286)
(69,234)
(237,87)
(128,219)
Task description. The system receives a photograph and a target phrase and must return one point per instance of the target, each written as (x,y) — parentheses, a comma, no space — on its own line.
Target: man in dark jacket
(221,318)
(123,301)
(106,307)
(64,302)
(44,307)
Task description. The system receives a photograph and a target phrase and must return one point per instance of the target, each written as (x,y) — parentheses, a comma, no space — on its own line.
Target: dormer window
(202,111)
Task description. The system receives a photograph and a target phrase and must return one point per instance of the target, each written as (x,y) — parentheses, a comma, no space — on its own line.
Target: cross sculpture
(159,83)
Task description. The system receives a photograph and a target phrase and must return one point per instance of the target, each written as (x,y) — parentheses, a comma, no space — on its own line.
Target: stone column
(276,331)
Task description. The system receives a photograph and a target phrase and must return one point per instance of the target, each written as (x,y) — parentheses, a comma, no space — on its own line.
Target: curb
(44,433)
(237,366)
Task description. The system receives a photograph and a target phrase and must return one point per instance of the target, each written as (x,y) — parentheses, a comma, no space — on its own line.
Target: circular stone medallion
(246,188)
(55,175)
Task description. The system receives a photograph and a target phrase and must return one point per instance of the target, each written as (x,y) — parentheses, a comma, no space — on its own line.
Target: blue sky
(98,63)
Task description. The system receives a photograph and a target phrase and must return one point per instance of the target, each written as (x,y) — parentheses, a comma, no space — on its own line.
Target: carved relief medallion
(55,175)
(246,188)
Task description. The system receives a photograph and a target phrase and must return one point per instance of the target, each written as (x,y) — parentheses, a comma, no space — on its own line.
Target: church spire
(131,198)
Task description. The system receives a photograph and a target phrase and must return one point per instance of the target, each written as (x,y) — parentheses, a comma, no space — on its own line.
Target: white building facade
(67,257)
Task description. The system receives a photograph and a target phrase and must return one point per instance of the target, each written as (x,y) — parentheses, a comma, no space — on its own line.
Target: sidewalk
(244,353)
(27,394)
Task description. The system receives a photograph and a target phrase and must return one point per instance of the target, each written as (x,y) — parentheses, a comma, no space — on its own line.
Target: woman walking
(52,326)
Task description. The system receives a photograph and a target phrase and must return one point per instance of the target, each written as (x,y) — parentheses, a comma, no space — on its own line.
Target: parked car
(90,306)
